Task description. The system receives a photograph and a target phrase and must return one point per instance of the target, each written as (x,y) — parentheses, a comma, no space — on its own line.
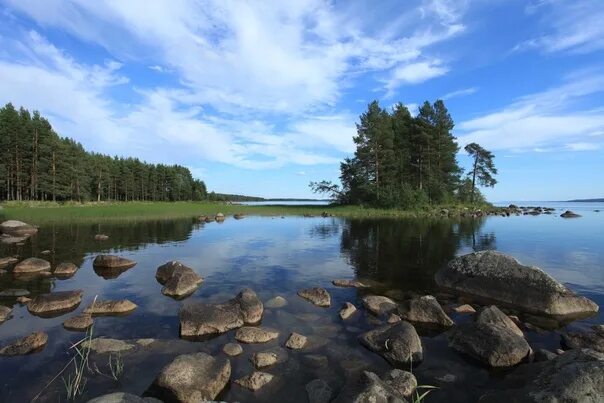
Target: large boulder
(424,311)
(178,280)
(31,265)
(26,345)
(398,343)
(198,319)
(494,276)
(493,344)
(492,314)
(55,303)
(111,307)
(17,228)
(192,378)
(316,295)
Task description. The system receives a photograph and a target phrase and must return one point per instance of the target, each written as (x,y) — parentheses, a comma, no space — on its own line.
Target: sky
(262,97)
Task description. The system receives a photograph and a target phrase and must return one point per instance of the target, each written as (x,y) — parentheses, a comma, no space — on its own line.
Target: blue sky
(262,97)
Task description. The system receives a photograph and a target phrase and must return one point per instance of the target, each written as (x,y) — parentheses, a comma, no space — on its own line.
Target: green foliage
(37,164)
(483,168)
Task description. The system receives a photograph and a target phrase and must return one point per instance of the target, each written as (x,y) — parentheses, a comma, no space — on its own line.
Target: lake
(279,256)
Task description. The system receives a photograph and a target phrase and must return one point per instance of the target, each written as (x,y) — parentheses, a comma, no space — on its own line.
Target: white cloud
(301,173)
(459,93)
(415,73)
(583,146)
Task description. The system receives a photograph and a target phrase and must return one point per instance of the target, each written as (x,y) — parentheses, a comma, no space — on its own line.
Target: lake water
(279,256)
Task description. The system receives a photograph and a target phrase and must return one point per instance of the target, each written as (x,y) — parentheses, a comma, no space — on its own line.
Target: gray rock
(118,397)
(55,303)
(497,277)
(7,261)
(232,349)
(569,214)
(315,360)
(316,295)
(276,302)
(14,292)
(102,345)
(26,345)
(249,334)
(379,305)
(255,380)
(65,270)
(111,307)
(492,314)
(465,308)
(593,340)
(219,217)
(78,323)
(263,359)
(348,283)
(192,378)
(424,311)
(393,318)
(399,343)
(296,341)
(17,228)
(113,262)
(544,355)
(403,382)
(318,391)
(377,391)
(5,313)
(101,237)
(490,343)
(198,319)
(347,310)
(178,279)
(31,265)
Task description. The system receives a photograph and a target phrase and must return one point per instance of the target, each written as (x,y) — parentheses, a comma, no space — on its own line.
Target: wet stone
(465,308)
(348,283)
(31,265)
(5,313)
(424,311)
(255,380)
(248,334)
(14,292)
(318,391)
(318,296)
(492,314)
(7,261)
(106,345)
(111,307)
(399,343)
(55,303)
(26,345)
(378,304)
(347,310)
(276,302)
(78,323)
(296,341)
(264,359)
(65,270)
(232,349)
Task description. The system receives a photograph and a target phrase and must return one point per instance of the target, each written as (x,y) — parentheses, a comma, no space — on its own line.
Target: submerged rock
(493,344)
(5,313)
(65,270)
(249,334)
(255,380)
(585,339)
(375,390)
(79,323)
(263,359)
(192,378)
(197,319)
(347,310)
(492,314)
(119,397)
(348,283)
(55,303)
(379,305)
(497,277)
(103,345)
(14,292)
(296,341)
(178,279)
(232,349)
(316,295)
(569,214)
(318,391)
(111,307)
(398,343)
(17,228)
(7,261)
(276,302)
(31,265)
(424,311)
(26,345)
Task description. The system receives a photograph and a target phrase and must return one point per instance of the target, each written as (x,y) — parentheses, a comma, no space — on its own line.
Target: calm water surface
(276,256)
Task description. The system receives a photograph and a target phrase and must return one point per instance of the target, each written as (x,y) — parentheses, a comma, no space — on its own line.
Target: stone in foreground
(255,380)
(17,228)
(424,311)
(31,265)
(347,310)
(197,319)
(585,339)
(493,344)
(348,283)
(103,345)
(232,349)
(5,313)
(178,280)
(378,304)
(264,359)
(249,334)
(65,270)
(316,295)
(318,391)
(55,303)
(78,323)
(492,314)
(399,343)
(26,345)
(110,267)
(296,341)
(111,307)
(192,378)
(497,277)
(276,302)
(119,397)
(376,390)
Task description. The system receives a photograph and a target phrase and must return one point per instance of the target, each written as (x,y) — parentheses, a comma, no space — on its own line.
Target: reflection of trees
(470,235)
(326,229)
(406,253)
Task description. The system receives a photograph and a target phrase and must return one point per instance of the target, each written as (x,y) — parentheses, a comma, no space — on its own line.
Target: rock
(219,217)
(544,355)
(264,359)
(465,308)
(232,349)
(46,252)
(399,343)
(103,345)
(492,314)
(593,340)
(424,311)
(348,283)
(179,280)
(497,277)
(375,390)
(378,305)
(402,381)
(255,380)
(23,300)
(7,261)
(347,310)
(14,292)
(318,391)
(111,307)
(31,265)
(296,341)
(490,343)
(145,342)
(55,303)
(315,360)
(65,270)
(318,296)
(5,313)
(198,319)
(79,323)
(101,237)
(113,262)
(192,378)
(118,397)
(569,214)
(276,302)
(17,228)
(238,216)
(249,334)
(26,345)
(393,318)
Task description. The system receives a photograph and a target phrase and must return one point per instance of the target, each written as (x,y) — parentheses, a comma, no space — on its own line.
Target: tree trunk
(54,177)
(474,179)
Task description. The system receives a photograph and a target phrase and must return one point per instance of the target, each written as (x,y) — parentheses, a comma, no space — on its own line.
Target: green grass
(44,212)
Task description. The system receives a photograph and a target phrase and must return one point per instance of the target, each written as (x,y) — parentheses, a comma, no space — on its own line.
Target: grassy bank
(40,212)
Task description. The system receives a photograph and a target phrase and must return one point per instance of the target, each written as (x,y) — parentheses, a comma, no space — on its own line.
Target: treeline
(231,197)
(402,160)
(37,164)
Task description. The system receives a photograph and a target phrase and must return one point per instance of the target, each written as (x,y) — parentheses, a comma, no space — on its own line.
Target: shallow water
(279,256)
